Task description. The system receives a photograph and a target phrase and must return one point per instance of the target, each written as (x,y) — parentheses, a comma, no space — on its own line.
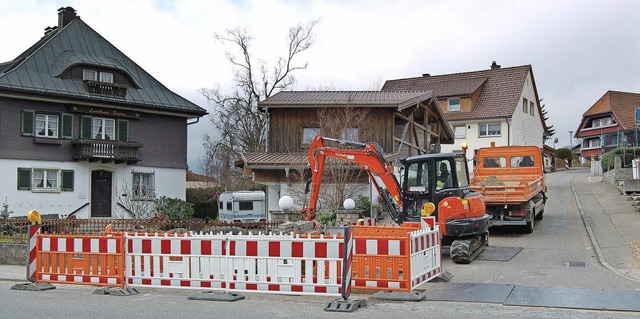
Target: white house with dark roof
(82,125)
(498,105)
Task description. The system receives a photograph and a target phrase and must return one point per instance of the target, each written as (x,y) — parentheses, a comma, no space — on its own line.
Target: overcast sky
(578,49)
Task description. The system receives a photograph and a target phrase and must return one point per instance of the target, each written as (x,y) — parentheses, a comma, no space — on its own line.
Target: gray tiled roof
(313,99)
(500,94)
(37,71)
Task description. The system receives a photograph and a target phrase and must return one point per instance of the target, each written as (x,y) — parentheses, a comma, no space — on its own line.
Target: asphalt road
(78,302)
(559,240)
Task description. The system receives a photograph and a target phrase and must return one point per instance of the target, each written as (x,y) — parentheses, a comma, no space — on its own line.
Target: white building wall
(169,182)
(526,128)
(473,139)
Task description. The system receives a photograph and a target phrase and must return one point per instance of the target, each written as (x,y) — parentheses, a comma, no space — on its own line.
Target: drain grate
(575,264)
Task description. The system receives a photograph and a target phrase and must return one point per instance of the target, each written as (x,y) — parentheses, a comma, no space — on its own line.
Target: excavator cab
(438,185)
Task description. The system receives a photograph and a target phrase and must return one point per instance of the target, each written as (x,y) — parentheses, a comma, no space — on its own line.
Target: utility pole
(571,147)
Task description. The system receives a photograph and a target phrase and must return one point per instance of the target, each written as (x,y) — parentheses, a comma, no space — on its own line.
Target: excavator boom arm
(368,158)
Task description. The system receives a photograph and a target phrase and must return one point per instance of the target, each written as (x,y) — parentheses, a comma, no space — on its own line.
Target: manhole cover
(575,264)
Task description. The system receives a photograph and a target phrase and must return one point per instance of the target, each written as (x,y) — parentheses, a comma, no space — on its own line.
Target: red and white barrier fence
(284,264)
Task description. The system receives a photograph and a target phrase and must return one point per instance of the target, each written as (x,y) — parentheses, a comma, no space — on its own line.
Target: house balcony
(106,151)
(115,89)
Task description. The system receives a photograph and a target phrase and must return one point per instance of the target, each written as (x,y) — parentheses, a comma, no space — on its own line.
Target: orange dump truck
(511,179)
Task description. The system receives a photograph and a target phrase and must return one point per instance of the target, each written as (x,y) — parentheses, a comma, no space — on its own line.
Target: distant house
(402,123)
(200,181)
(82,125)
(498,105)
(609,123)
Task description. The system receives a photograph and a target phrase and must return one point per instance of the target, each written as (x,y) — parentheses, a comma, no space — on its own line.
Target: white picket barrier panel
(425,255)
(284,264)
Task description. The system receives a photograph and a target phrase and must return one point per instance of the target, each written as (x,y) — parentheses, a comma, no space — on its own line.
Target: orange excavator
(432,185)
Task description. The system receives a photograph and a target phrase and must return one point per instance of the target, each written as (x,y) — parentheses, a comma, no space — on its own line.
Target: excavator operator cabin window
(417,177)
(443,175)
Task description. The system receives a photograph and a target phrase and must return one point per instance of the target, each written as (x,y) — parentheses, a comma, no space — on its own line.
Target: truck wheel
(540,214)
(530,224)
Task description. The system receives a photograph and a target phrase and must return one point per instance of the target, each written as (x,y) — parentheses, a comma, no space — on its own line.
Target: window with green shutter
(123,130)
(67,125)
(85,127)
(67,180)
(24,178)
(27,126)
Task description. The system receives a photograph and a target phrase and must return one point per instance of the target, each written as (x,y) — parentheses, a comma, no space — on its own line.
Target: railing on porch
(106,150)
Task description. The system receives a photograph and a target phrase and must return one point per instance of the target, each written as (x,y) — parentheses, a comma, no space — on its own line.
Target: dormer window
(106,77)
(93,75)
(453,104)
(101,82)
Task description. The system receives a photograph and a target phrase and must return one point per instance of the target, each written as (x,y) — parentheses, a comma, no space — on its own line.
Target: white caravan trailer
(242,206)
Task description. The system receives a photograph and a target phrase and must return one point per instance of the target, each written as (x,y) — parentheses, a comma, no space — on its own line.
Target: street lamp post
(571,146)
(571,141)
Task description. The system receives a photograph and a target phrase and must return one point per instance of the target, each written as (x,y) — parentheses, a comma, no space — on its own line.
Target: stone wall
(13,254)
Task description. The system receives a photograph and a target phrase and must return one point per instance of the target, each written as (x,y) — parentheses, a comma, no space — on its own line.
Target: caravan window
(229,207)
(245,205)
(221,206)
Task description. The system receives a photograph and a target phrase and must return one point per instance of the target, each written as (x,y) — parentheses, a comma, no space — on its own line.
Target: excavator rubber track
(464,251)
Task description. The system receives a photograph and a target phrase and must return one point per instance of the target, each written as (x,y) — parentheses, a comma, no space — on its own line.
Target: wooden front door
(101,192)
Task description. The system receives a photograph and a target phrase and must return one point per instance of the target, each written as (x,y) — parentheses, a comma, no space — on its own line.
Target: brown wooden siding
(286,125)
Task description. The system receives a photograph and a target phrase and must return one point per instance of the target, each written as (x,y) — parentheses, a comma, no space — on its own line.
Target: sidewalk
(612,223)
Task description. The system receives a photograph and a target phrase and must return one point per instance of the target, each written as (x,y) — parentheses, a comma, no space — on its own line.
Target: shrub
(205,202)
(363,205)
(564,153)
(175,209)
(627,154)
(326,217)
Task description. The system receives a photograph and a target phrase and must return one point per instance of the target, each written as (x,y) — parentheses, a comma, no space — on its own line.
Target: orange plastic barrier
(381,257)
(96,260)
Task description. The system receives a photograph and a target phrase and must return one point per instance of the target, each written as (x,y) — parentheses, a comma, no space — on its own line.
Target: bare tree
(343,179)
(241,125)
(133,205)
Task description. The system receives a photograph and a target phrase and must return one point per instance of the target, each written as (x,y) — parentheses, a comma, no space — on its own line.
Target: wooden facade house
(403,123)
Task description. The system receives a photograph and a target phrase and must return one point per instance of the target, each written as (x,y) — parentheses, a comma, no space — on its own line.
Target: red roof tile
(622,104)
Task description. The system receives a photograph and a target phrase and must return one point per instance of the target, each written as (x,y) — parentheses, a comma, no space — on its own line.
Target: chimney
(48,30)
(65,16)
(494,65)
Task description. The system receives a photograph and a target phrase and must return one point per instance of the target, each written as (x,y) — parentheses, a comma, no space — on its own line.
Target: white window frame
(525,105)
(88,74)
(48,124)
(531,108)
(45,180)
(106,77)
(453,107)
(143,186)
(308,133)
(103,129)
(487,131)
(595,143)
(460,131)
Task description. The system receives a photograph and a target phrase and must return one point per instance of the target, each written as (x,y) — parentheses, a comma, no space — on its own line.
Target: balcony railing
(96,150)
(106,88)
